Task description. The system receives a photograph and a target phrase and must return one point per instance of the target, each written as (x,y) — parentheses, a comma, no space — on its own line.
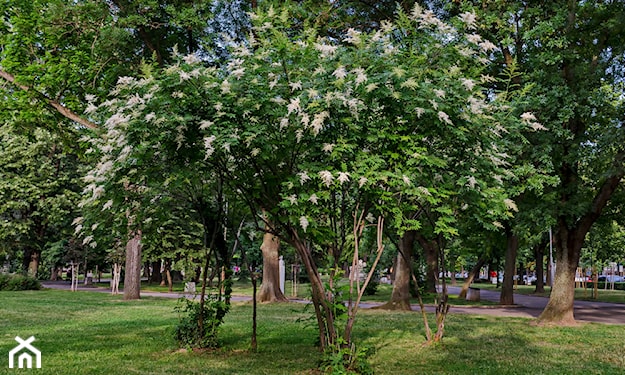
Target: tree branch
(64,111)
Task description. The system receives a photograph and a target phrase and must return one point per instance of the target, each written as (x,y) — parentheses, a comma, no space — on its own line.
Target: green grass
(96,333)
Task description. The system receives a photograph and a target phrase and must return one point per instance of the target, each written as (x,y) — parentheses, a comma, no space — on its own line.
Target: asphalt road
(526,306)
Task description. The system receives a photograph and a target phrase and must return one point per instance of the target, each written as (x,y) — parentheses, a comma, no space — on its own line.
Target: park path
(526,306)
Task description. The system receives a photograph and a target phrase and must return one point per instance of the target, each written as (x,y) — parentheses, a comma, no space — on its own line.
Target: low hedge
(18,282)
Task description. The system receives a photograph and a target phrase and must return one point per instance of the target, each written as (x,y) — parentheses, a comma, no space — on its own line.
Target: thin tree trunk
(270,287)
(33,262)
(430,250)
(539,254)
(507,289)
(400,297)
(323,311)
(132,277)
(474,272)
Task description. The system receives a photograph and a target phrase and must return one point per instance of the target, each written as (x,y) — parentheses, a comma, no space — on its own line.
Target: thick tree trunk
(132,277)
(270,287)
(474,272)
(400,297)
(559,309)
(507,289)
(430,250)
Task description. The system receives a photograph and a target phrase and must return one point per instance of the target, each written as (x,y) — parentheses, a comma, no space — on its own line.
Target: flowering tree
(320,134)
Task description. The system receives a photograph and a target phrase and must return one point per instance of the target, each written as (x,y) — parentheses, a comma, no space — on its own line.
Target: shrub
(18,282)
(188,332)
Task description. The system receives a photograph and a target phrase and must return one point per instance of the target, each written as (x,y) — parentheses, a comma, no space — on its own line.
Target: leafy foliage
(188,333)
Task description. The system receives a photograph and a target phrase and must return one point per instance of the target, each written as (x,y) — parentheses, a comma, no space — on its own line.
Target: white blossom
(406,180)
(474,38)
(208,145)
(295,85)
(419,111)
(303,177)
(498,224)
(325,49)
(90,98)
(292,199)
(370,87)
(326,177)
(353,36)
(471,181)
(511,205)
(225,87)
(78,229)
(468,83)
(294,105)
(361,77)
(536,126)
(370,218)
(78,220)
(423,190)
(439,93)
(313,199)
(444,117)
(340,72)
(303,222)
(125,81)
(362,181)
(255,151)
(468,18)
(238,73)
(177,94)
(527,117)
(343,177)
(328,147)
(87,240)
(91,108)
(488,46)
(107,205)
(205,124)
(150,116)
(317,123)
(191,59)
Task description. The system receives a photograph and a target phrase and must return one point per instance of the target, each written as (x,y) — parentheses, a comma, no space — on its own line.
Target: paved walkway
(526,306)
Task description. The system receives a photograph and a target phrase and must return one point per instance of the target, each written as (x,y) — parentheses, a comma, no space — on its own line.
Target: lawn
(96,333)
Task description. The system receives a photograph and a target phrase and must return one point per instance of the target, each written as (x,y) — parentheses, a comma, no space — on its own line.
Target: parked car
(611,278)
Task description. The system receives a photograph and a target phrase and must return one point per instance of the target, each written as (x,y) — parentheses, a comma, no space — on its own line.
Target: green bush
(188,332)
(18,282)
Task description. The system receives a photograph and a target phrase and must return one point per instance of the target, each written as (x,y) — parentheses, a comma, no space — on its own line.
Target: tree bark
(569,242)
(539,254)
(270,287)
(132,277)
(31,262)
(430,250)
(474,271)
(400,297)
(507,289)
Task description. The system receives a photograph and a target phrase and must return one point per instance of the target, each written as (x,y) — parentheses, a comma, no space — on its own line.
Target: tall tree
(39,190)
(571,52)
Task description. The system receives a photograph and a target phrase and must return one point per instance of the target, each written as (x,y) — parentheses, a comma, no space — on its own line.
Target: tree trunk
(474,272)
(323,310)
(270,287)
(132,277)
(156,276)
(400,297)
(559,309)
(539,254)
(507,289)
(33,262)
(430,250)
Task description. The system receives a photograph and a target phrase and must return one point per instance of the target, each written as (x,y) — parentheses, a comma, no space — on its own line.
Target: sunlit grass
(96,333)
